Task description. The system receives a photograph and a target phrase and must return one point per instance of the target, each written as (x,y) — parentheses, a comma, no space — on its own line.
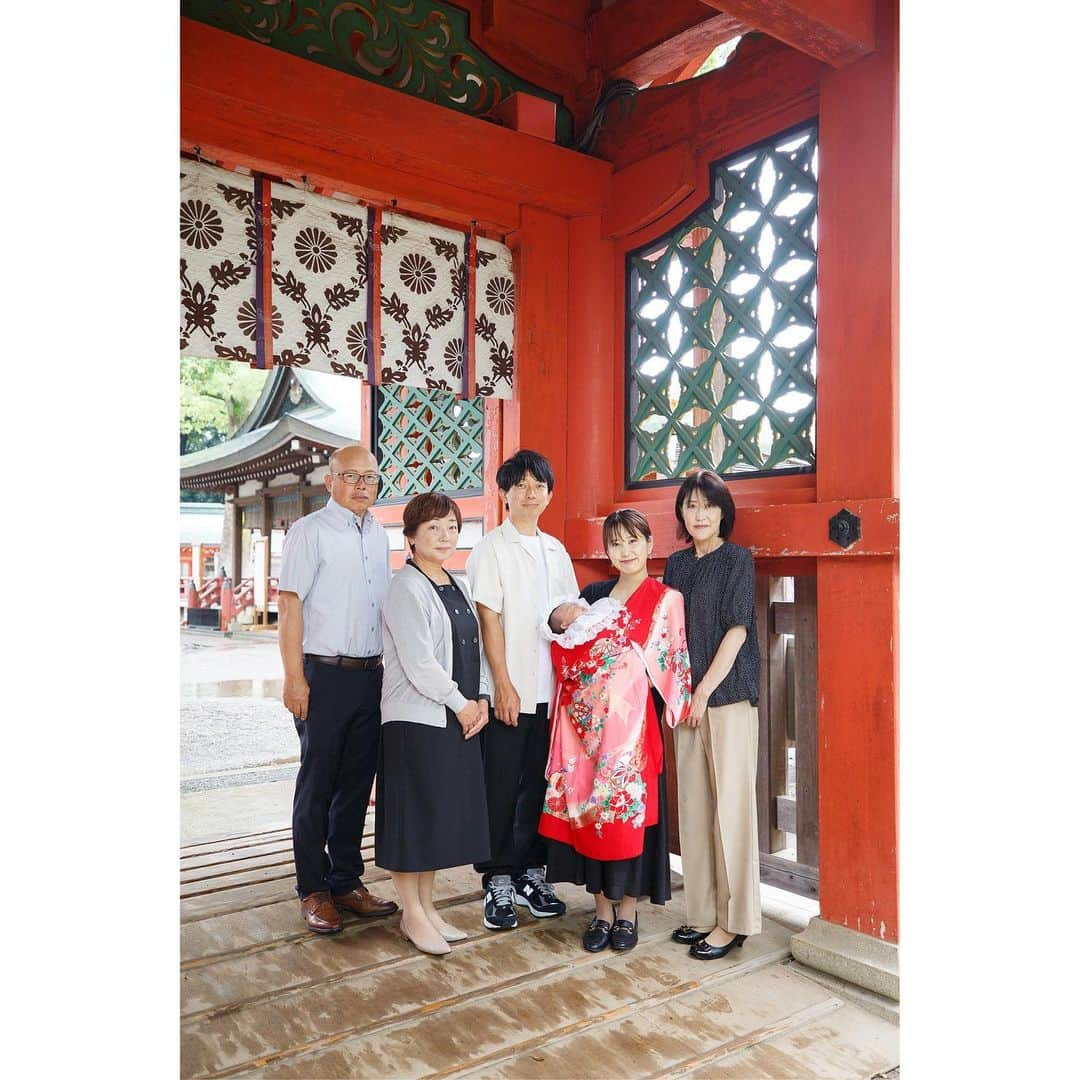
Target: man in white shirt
(335,570)
(518,576)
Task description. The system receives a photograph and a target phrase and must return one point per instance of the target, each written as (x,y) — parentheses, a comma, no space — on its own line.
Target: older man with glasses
(335,571)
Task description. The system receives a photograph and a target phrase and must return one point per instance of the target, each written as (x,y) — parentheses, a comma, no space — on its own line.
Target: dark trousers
(514,762)
(339,750)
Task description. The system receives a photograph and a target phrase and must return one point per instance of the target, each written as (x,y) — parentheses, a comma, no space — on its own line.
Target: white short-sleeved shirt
(507,577)
(339,566)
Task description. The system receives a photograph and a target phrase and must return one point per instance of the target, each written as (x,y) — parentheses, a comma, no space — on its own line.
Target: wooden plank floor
(262,996)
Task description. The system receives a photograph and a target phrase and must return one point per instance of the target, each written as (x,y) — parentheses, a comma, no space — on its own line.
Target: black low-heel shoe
(702,950)
(597,936)
(687,935)
(624,934)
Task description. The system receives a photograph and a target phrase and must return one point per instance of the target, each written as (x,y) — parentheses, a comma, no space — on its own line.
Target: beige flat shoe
(440,949)
(448,932)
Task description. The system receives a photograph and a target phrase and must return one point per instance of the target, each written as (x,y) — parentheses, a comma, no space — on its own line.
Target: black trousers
(514,762)
(339,750)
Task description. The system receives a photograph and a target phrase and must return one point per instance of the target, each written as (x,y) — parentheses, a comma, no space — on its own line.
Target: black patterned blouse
(718,593)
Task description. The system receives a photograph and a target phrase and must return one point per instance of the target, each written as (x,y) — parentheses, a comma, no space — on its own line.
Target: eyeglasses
(354,478)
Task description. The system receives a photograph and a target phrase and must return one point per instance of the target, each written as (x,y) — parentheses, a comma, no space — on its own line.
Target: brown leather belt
(346,661)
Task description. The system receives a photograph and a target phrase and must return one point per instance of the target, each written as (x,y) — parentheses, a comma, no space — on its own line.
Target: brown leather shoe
(361,902)
(320,914)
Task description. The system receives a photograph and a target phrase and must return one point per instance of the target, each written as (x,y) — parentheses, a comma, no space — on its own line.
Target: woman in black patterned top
(716,747)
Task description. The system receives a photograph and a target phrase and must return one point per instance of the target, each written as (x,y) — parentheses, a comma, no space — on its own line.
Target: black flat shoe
(597,936)
(702,950)
(624,934)
(687,935)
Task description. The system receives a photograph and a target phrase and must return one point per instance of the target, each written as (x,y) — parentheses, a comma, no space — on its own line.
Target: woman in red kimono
(619,662)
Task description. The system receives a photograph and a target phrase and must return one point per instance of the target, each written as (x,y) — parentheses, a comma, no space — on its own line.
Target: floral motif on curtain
(320,293)
(494,325)
(320,283)
(422,300)
(217,263)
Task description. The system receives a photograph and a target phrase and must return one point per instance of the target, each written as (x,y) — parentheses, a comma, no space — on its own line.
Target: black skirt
(430,808)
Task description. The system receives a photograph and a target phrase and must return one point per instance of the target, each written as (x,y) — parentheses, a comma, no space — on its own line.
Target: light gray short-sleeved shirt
(339,566)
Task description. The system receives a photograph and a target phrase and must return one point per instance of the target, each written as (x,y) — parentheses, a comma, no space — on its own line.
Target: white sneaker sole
(523,901)
(492,926)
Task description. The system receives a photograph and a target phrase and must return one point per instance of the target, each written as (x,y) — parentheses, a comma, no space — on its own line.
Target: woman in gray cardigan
(431,809)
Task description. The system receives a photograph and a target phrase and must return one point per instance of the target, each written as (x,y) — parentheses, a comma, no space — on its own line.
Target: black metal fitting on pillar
(845,528)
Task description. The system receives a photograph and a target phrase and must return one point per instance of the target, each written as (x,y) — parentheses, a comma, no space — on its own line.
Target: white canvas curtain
(319,293)
(422,298)
(496,298)
(320,282)
(217,263)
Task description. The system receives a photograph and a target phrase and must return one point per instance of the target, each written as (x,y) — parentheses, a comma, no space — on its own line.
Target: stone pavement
(233,727)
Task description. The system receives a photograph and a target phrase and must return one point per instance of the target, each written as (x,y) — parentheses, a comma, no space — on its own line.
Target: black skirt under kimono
(648,874)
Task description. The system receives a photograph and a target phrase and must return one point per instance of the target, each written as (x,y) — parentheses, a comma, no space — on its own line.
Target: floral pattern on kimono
(606,752)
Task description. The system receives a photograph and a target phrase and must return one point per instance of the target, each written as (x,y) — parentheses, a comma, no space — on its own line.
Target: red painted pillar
(857,458)
(536,418)
(228,603)
(192,595)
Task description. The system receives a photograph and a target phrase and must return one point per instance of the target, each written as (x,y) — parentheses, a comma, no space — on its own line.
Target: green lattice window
(428,440)
(722,324)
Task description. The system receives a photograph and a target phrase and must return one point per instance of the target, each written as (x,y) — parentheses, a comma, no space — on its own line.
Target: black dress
(649,874)
(431,809)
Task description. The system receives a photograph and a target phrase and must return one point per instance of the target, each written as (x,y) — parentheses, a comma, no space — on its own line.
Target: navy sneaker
(531,889)
(499,913)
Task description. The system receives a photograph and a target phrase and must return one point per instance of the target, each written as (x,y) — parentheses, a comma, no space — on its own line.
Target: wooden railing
(787,733)
(787,807)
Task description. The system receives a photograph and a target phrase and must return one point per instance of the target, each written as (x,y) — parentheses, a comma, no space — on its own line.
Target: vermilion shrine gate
(636,278)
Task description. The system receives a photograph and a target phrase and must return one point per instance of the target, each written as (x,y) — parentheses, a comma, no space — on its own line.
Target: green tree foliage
(719,56)
(215,397)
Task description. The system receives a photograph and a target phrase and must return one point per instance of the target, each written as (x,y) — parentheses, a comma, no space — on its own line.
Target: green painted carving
(420,47)
(722,324)
(428,440)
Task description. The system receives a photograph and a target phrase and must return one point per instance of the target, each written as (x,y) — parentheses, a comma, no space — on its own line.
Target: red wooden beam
(836,31)
(793,531)
(284,115)
(641,40)
(764,78)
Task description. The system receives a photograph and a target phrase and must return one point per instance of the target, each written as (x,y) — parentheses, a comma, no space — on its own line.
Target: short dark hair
(632,522)
(512,471)
(715,492)
(430,506)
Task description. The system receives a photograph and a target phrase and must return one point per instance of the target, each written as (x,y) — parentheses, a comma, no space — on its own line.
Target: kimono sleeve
(666,657)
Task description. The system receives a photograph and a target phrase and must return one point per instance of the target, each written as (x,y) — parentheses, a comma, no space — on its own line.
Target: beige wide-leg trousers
(717,770)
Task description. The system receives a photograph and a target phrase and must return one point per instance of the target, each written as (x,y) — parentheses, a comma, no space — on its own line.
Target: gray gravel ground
(234,729)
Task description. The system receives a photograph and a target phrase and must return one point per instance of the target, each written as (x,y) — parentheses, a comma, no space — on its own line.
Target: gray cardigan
(418,652)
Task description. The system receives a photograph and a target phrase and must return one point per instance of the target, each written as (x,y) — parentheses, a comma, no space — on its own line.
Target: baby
(565,614)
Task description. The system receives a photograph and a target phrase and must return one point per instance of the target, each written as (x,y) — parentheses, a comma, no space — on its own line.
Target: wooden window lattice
(428,440)
(722,324)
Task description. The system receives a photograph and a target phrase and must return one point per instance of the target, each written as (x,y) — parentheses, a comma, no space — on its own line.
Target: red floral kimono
(606,752)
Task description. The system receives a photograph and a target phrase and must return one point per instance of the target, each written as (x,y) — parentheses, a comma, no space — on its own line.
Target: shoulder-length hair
(715,492)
